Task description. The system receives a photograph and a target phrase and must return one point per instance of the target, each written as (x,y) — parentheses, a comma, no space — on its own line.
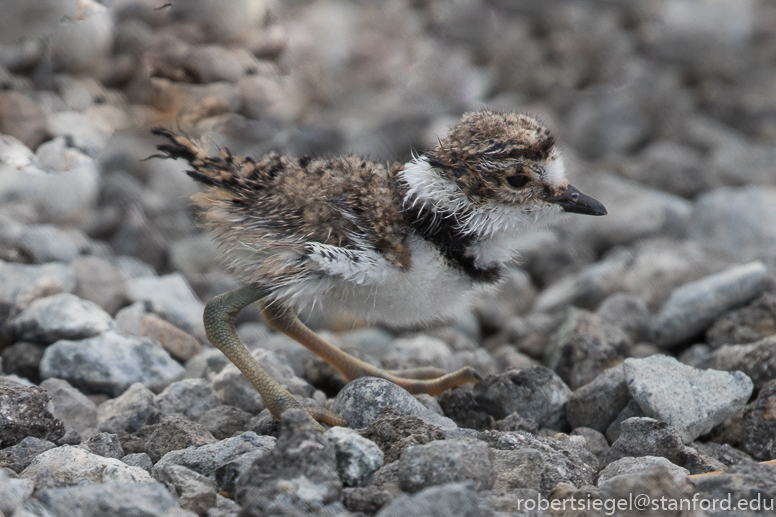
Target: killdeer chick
(401,244)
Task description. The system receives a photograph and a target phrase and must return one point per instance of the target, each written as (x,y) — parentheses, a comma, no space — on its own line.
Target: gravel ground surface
(622,354)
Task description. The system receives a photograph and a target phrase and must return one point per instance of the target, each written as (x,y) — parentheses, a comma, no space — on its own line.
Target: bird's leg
(220,314)
(286,321)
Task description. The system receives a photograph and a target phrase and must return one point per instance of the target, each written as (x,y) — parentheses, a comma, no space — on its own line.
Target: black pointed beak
(572,200)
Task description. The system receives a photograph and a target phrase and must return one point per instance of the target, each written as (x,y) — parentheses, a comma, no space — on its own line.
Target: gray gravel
(668,119)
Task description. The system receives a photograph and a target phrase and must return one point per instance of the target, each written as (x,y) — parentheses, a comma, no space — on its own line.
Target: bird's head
(508,160)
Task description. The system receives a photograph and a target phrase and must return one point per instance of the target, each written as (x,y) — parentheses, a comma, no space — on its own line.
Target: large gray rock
(110,363)
(77,412)
(71,465)
(357,457)
(692,308)
(43,243)
(119,499)
(536,393)
(24,411)
(446,461)
(205,459)
(690,400)
(129,411)
(449,500)
(62,316)
(365,399)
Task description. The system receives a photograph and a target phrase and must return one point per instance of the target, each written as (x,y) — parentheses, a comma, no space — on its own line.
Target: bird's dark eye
(518,180)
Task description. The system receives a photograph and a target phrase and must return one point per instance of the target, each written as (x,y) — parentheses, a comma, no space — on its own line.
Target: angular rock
(19,456)
(299,472)
(758,434)
(176,432)
(128,412)
(449,500)
(692,401)
(110,363)
(536,393)
(692,308)
(357,457)
(181,345)
(62,316)
(191,398)
(205,459)
(597,403)
(365,399)
(446,461)
(583,347)
(104,444)
(77,412)
(192,490)
(24,412)
(630,465)
(139,459)
(756,360)
(745,325)
(642,436)
(72,465)
(526,461)
(393,432)
(225,421)
(23,359)
(119,499)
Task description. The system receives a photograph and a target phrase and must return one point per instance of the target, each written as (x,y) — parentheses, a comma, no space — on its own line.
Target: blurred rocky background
(622,332)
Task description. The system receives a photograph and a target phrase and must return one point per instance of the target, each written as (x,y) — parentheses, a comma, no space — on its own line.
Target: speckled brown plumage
(280,203)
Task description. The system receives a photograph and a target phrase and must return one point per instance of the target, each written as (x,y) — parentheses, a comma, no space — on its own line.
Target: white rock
(72,465)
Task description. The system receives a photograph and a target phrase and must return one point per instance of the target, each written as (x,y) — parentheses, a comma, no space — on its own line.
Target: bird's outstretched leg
(418,380)
(220,314)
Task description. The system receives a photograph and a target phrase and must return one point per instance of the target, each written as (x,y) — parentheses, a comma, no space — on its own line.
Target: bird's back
(277,206)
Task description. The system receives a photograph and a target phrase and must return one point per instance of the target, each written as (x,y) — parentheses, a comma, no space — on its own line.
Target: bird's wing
(360,266)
